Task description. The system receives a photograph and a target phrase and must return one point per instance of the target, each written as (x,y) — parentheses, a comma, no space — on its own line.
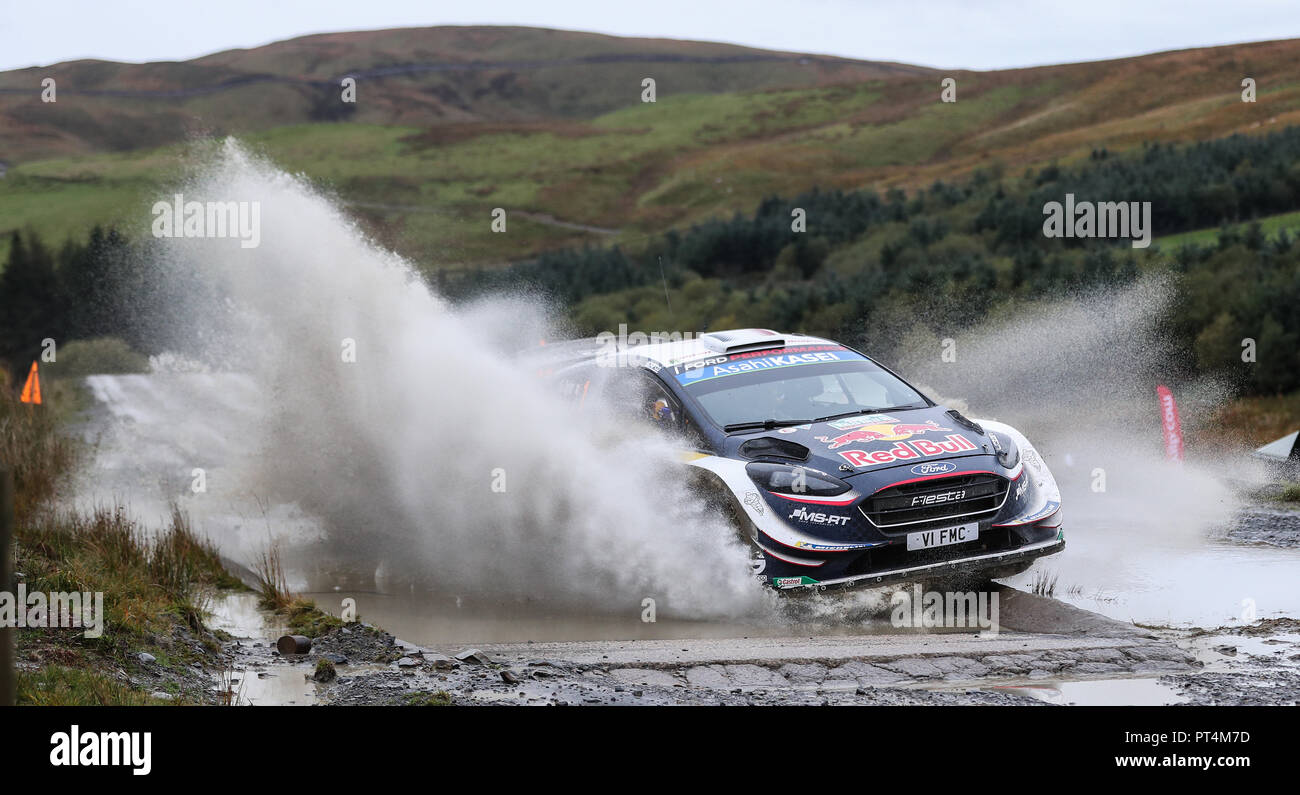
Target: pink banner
(1169,422)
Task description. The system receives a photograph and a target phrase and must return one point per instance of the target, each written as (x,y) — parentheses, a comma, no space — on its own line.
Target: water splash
(1077,374)
(393,453)
(388,462)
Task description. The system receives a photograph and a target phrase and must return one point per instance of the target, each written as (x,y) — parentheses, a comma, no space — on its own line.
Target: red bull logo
(881,432)
(902,452)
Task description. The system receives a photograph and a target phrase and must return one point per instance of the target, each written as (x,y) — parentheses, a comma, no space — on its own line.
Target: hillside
(413,76)
(549,125)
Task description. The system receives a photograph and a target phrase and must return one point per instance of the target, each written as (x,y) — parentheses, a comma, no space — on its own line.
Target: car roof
(669,352)
(662,348)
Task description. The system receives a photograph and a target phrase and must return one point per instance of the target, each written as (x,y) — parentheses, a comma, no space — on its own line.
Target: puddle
(238,614)
(259,685)
(1136,692)
(1211,584)
(1226,652)
(435,620)
(285,686)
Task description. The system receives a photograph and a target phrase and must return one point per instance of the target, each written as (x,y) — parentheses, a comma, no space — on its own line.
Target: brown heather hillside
(1015,118)
(452,122)
(410,76)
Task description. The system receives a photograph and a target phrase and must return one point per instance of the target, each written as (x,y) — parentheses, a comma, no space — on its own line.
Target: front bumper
(963,565)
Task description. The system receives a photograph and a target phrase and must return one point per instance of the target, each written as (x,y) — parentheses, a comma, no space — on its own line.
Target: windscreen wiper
(864,411)
(765,425)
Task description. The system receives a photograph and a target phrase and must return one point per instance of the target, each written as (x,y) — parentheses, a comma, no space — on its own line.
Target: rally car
(837,470)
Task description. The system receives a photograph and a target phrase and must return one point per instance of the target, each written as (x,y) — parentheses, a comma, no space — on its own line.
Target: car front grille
(916,506)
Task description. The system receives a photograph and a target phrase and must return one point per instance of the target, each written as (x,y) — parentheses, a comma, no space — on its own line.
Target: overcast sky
(976,34)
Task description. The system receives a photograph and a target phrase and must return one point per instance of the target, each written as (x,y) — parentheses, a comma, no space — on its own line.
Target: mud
(1092,660)
(1279,527)
(795,671)
(1238,689)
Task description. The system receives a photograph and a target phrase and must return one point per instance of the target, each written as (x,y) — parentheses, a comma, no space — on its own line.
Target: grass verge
(154,588)
(154,584)
(424,699)
(32,449)
(55,685)
(301,615)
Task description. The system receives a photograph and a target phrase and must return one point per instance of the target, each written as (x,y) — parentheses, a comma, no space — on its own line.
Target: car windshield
(798,387)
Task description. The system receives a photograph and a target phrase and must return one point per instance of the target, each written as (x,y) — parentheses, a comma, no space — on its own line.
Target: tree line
(866,262)
(957,250)
(85,289)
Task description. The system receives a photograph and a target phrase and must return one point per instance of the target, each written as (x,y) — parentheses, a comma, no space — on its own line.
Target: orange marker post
(32,389)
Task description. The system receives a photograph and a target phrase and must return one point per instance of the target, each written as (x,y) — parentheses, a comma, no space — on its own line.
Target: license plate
(943,536)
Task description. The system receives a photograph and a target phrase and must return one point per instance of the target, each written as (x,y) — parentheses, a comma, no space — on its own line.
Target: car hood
(871,443)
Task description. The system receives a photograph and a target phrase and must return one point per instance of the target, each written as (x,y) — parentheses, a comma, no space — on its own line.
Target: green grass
(63,198)
(148,583)
(304,618)
(37,454)
(1270,226)
(301,615)
(436,197)
(424,699)
(80,358)
(153,584)
(325,671)
(56,685)
(643,167)
(154,589)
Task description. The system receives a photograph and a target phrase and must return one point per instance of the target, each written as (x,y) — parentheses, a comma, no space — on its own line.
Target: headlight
(1007,451)
(786,479)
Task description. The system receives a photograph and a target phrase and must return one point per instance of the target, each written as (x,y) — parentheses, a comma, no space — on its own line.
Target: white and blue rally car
(837,470)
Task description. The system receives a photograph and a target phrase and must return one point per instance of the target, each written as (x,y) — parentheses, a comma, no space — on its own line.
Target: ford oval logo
(936,468)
